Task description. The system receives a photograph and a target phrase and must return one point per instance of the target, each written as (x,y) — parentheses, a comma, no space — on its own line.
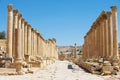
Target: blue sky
(66,20)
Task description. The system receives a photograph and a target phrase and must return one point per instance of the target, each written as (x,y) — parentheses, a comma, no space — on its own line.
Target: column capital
(104,16)
(25,23)
(29,26)
(114,8)
(10,7)
(19,16)
(109,14)
(23,20)
(36,31)
(32,29)
(15,12)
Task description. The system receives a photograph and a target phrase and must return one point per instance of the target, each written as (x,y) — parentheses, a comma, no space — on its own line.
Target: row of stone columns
(23,42)
(102,39)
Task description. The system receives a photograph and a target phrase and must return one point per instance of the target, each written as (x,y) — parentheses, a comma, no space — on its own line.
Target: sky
(66,20)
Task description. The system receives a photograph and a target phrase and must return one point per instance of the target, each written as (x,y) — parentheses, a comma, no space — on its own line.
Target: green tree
(2,35)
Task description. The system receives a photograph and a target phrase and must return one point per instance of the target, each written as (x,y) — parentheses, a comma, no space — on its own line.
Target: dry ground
(59,71)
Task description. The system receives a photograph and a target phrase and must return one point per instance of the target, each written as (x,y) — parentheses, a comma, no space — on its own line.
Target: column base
(19,68)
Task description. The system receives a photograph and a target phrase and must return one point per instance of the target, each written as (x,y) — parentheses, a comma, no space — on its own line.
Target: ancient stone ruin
(25,46)
(100,48)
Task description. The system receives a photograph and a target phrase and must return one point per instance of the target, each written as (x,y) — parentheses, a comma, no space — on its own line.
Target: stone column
(18,56)
(41,45)
(19,21)
(18,38)
(106,37)
(115,31)
(38,43)
(35,43)
(25,37)
(92,37)
(95,46)
(22,34)
(15,25)
(87,47)
(32,42)
(98,40)
(75,53)
(29,39)
(94,42)
(102,40)
(110,34)
(9,31)
(103,44)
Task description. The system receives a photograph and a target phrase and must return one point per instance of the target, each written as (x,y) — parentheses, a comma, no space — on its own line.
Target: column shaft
(110,33)
(22,34)
(15,25)
(115,31)
(25,37)
(9,31)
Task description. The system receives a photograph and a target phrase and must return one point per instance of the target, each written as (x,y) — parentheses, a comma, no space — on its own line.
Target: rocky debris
(59,71)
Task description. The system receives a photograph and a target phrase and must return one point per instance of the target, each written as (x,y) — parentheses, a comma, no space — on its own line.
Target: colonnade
(101,41)
(24,43)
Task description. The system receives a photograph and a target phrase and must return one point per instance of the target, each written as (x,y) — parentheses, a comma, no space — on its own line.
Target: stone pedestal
(19,68)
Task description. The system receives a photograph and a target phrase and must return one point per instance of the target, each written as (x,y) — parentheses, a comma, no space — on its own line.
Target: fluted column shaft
(15,26)
(103,42)
(29,39)
(32,42)
(18,45)
(102,38)
(9,31)
(22,34)
(110,33)
(106,38)
(115,31)
(25,38)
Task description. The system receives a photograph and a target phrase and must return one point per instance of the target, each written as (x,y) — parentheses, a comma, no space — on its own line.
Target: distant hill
(65,49)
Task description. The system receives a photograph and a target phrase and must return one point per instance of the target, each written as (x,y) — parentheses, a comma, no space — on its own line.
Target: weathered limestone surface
(26,46)
(101,41)
(15,25)
(100,48)
(115,31)
(9,31)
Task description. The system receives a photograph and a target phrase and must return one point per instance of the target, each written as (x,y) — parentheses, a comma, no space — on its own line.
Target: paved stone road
(59,71)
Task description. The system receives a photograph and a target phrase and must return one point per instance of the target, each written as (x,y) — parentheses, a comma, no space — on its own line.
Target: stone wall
(2,46)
